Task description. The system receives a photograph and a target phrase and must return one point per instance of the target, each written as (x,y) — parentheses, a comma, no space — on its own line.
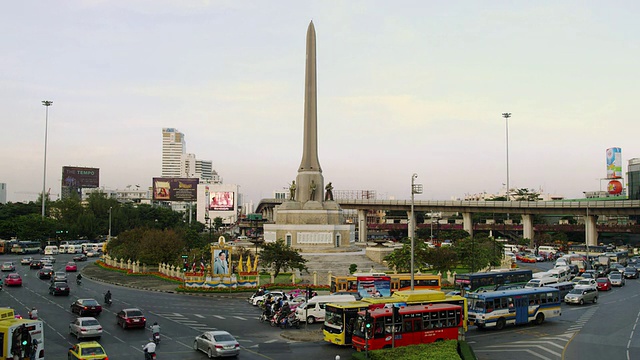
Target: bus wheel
(500,324)
(539,318)
(311,320)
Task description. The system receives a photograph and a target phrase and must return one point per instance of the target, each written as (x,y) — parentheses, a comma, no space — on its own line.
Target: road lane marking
(240,318)
(525,350)
(198,315)
(219,317)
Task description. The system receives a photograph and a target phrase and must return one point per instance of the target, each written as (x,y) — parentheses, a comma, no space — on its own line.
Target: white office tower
(3,193)
(173,148)
(201,169)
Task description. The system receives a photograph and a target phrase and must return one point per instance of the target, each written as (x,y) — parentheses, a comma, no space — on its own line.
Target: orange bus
(398,282)
(407,325)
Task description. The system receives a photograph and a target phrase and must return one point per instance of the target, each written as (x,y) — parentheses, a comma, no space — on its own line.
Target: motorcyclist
(155,328)
(284,312)
(33,314)
(107,297)
(149,350)
(79,278)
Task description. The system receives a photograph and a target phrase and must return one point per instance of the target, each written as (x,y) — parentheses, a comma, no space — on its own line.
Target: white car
(85,327)
(255,300)
(586,284)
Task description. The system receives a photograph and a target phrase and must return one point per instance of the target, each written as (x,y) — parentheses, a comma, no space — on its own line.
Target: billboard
(614,163)
(175,189)
(74,179)
(221,201)
(374,286)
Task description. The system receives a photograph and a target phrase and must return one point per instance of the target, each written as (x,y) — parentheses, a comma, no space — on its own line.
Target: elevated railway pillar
(467,223)
(363,234)
(590,229)
(527,229)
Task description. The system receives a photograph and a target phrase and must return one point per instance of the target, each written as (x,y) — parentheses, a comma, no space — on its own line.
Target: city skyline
(403,88)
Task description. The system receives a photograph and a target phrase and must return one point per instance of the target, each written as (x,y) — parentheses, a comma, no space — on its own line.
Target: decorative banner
(175,189)
(614,163)
(374,286)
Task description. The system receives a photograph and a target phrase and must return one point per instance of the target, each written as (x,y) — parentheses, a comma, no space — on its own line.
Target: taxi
(87,350)
(71,267)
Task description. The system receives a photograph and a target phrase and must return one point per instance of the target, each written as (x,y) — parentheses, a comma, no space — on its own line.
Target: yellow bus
(340,317)
(399,282)
(20,336)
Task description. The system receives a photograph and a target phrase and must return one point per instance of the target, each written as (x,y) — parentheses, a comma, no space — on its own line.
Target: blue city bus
(519,306)
(491,280)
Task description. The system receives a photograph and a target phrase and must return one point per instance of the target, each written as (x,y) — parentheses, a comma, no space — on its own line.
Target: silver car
(216,344)
(581,296)
(85,327)
(616,278)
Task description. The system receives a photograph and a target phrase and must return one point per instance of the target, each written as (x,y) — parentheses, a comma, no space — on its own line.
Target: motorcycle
(148,355)
(266,315)
(108,302)
(79,281)
(156,338)
(290,321)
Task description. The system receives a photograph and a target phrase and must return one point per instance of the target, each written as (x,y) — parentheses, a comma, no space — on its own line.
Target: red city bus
(409,325)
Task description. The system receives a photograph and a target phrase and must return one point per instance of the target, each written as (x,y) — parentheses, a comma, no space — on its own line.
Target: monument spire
(310,141)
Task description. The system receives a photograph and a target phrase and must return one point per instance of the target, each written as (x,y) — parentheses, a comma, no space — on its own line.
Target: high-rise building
(3,193)
(173,149)
(633,178)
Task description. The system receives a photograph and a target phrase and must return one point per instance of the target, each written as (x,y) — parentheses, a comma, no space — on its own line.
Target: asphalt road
(182,318)
(589,332)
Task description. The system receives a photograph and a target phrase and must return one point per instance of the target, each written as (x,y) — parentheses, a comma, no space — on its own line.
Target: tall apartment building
(173,149)
(633,179)
(3,193)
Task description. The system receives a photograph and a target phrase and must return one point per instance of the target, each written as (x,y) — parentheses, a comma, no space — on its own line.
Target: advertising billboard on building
(221,201)
(74,179)
(175,189)
(614,163)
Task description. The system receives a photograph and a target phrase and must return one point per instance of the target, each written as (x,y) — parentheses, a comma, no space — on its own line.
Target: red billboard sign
(175,189)
(221,201)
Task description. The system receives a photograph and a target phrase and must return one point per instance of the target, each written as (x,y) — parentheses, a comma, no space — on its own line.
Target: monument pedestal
(311,227)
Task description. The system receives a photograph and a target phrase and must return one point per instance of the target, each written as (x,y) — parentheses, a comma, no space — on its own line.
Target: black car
(630,272)
(45,273)
(59,288)
(86,307)
(80,257)
(36,264)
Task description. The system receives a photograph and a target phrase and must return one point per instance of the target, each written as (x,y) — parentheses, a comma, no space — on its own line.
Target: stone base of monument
(378,253)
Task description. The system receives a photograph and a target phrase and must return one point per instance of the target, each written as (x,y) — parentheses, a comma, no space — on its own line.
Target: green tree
(479,252)
(279,256)
(442,258)
(525,194)
(400,259)
(149,246)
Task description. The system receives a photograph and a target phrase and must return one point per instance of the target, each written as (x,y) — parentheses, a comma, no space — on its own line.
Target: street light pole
(415,189)
(109,237)
(46,103)
(506,117)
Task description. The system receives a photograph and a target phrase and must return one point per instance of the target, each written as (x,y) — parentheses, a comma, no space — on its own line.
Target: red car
(71,267)
(529,259)
(13,279)
(128,318)
(603,284)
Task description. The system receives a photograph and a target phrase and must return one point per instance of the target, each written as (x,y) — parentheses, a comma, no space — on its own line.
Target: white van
(511,248)
(74,249)
(534,283)
(313,310)
(51,250)
(541,275)
(547,249)
(561,273)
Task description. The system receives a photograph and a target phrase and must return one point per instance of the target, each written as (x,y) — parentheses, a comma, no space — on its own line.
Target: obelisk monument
(310,169)
(305,221)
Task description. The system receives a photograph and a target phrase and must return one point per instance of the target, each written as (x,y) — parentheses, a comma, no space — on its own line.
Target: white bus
(74,249)
(51,250)
(63,249)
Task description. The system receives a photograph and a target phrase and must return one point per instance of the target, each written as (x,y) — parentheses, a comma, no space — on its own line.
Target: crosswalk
(198,322)
(547,347)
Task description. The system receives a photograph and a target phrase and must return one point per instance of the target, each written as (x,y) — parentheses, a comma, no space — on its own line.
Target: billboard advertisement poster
(374,286)
(175,189)
(614,163)
(80,177)
(221,201)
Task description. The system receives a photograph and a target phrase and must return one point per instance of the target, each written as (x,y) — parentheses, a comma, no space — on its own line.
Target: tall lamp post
(46,103)
(506,117)
(415,189)
(109,237)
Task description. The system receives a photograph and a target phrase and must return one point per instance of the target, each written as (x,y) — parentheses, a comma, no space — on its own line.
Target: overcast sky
(403,87)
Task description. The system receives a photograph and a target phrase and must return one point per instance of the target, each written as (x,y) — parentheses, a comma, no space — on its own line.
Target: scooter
(290,321)
(156,338)
(108,302)
(79,281)
(266,316)
(148,355)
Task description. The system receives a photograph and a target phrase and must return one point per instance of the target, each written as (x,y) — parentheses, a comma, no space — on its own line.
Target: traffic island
(303,335)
